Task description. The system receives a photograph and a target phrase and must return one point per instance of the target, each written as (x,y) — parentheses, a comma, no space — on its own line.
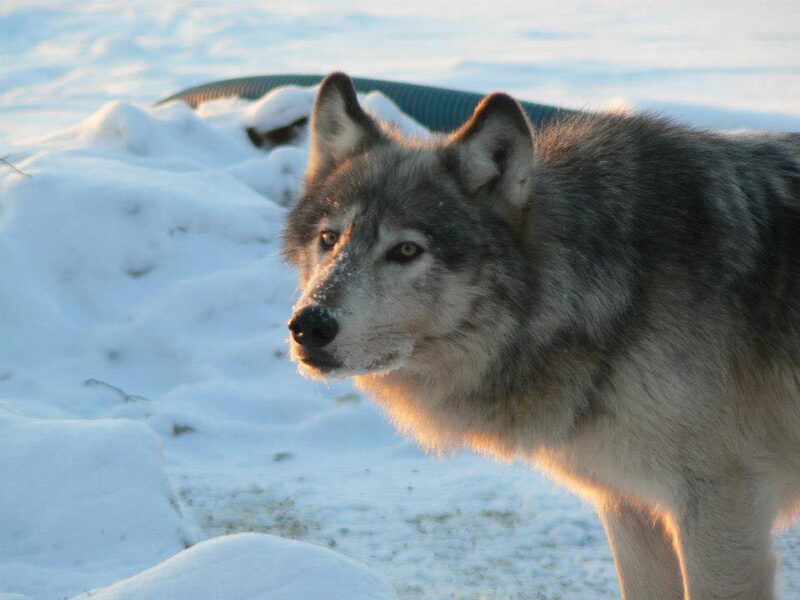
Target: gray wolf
(614,298)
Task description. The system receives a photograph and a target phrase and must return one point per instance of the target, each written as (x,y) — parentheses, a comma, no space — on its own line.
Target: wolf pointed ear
(339,126)
(495,149)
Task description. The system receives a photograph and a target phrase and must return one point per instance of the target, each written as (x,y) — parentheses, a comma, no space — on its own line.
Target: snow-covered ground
(146,402)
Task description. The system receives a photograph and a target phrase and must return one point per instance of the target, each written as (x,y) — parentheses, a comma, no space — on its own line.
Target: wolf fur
(615,298)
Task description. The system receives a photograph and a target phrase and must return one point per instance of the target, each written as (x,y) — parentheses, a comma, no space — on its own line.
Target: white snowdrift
(82,501)
(252,566)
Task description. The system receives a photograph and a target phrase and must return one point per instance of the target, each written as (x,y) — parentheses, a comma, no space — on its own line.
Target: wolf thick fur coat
(615,298)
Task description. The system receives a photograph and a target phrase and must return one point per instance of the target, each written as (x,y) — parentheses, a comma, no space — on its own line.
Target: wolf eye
(404,252)
(328,239)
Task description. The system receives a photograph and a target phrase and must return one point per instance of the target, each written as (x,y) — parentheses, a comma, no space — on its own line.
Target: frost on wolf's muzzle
(324,347)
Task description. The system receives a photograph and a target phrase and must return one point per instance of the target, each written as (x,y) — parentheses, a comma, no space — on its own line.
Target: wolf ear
(495,149)
(339,126)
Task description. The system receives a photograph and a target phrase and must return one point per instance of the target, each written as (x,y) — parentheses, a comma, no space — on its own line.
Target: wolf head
(405,246)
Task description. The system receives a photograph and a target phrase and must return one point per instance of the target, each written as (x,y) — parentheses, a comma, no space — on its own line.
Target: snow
(253,566)
(146,401)
(73,490)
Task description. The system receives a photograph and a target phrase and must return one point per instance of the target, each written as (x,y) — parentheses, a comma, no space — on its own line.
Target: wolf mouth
(325,364)
(320,360)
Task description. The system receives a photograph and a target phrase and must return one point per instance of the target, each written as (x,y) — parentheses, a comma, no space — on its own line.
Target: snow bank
(82,501)
(252,566)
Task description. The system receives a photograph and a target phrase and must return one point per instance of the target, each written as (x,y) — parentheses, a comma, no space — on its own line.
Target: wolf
(614,298)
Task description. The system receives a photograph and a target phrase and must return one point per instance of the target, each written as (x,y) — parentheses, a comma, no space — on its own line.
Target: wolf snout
(313,327)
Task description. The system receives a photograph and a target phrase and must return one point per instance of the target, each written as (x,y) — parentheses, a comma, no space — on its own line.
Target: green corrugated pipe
(438,109)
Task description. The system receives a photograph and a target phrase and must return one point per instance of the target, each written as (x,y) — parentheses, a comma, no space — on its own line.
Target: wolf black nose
(313,327)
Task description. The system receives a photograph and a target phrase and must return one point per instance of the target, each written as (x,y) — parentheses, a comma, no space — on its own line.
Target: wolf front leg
(725,542)
(647,565)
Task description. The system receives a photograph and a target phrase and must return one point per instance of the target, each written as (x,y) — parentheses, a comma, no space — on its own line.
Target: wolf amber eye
(327,239)
(405,252)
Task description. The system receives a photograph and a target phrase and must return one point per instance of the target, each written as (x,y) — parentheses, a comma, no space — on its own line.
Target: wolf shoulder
(696,228)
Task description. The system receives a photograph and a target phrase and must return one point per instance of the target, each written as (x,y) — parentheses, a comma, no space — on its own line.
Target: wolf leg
(647,565)
(725,543)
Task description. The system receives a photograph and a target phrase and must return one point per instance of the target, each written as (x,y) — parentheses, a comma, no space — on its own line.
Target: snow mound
(82,497)
(253,566)
(280,107)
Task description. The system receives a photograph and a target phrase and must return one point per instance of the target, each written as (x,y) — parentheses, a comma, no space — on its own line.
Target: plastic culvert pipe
(438,109)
